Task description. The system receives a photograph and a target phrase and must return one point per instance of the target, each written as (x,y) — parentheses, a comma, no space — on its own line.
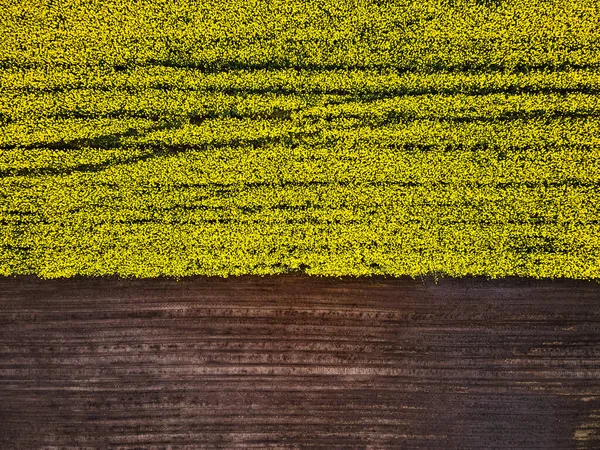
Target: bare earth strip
(299,362)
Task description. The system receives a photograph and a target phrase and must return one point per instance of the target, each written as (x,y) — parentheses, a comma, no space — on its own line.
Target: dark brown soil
(299,362)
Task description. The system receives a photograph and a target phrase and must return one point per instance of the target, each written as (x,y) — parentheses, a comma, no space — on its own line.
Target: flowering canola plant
(348,137)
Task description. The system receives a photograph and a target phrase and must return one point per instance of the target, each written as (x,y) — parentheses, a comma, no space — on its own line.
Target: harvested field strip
(288,362)
(332,138)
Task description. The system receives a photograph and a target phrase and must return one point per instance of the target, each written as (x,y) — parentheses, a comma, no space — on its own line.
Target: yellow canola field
(149,138)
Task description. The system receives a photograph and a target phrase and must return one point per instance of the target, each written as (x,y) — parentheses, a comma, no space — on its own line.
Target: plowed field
(296,362)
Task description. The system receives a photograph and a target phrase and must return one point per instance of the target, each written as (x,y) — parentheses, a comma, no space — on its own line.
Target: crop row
(156,103)
(390,81)
(276,164)
(151,249)
(423,35)
(63,200)
(341,131)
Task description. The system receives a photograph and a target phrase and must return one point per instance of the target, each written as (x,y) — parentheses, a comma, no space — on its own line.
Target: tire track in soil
(299,362)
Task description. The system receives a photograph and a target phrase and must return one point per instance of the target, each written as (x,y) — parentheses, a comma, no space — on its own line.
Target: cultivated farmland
(146,138)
